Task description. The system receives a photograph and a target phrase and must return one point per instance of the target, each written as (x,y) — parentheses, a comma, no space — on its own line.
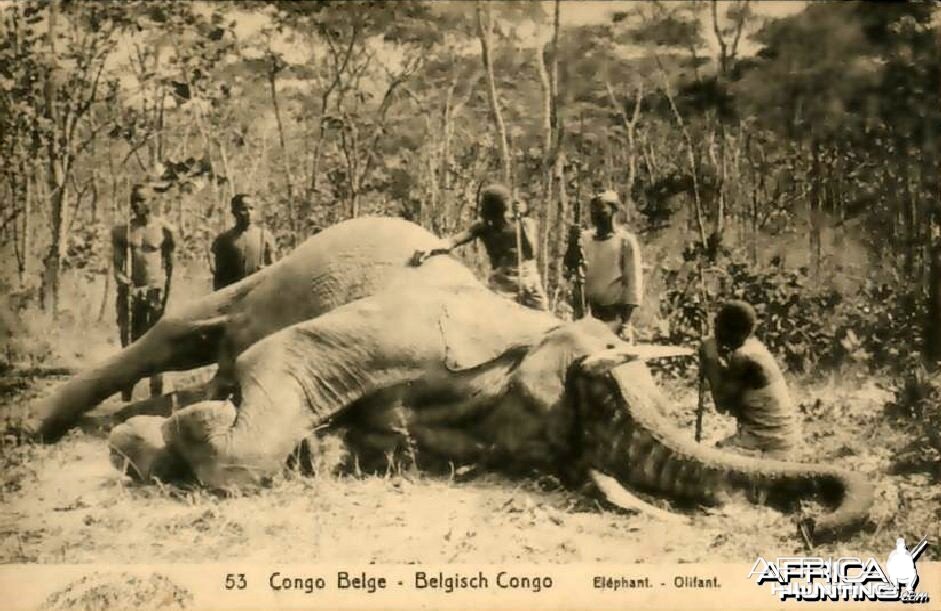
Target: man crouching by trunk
(747,383)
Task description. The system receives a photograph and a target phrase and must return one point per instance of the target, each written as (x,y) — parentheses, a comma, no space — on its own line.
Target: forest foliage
(752,151)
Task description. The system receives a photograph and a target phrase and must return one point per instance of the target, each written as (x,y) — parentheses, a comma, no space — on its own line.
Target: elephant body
(427,358)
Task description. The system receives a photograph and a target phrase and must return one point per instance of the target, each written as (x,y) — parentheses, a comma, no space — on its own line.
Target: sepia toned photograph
(468,303)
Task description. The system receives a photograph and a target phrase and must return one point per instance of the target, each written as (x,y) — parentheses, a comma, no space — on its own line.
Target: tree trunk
(630,126)
(563,215)
(231,185)
(758,190)
(719,229)
(56,174)
(690,154)
(484,34)
(932,348)
(607,160)
(911,216)
(632,153)
(58,193)
(814,203)
(27,238)
(272,82)
(931,169)
(162,96)
(556,155)
(547,153)
(444,166)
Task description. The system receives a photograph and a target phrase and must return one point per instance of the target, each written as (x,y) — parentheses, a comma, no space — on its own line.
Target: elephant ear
(541,375)
(483,326)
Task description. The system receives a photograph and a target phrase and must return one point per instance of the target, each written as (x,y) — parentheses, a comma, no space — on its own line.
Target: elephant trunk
(627,432)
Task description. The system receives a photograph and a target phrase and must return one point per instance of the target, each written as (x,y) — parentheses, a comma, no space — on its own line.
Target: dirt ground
(66,504)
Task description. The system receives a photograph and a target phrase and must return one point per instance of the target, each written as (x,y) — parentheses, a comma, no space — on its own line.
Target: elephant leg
(430,447)
(322,453)
(192,440)
(374,451)
(137,448)
(172,344)
(449,444)
(202,433)
(305,376)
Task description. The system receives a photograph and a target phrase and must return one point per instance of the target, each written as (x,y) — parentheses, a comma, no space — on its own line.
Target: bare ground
(67,504)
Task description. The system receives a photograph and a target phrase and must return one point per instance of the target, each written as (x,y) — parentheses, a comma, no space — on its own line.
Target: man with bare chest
(747,383)
(242,250)
(143,268)
(510,241)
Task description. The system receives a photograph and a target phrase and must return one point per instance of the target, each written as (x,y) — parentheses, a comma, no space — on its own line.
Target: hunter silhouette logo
(900,566)
(845,579)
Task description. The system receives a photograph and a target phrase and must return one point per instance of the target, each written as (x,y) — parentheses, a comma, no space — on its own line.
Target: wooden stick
(702,402)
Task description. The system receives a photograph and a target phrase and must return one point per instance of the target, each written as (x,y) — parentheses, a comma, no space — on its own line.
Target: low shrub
(807,326)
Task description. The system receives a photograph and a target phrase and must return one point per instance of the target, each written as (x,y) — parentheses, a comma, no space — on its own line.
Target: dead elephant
(341,334)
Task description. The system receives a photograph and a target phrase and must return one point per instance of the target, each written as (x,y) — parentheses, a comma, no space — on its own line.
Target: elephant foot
(321,455)
(220,457)
(163,405)
(198,442)
(137,448)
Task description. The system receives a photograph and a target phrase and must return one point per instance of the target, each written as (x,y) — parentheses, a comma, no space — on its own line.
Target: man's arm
(119,254)
(468,235)
(268,254)
(458,239)
(632,270)
(723,378)
(166,250)
(220,264)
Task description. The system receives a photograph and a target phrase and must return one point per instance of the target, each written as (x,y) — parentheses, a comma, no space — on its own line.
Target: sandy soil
(67,504)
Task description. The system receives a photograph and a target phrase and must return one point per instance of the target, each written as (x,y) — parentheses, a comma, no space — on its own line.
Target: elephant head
(624,431)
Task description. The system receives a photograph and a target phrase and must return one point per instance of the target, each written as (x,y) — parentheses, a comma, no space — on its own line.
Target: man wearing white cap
(614,279)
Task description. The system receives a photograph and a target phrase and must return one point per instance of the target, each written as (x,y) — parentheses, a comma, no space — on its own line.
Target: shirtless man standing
(143,268)
(514,273)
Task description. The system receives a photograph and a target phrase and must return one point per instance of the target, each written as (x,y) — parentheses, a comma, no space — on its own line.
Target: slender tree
(485,34)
